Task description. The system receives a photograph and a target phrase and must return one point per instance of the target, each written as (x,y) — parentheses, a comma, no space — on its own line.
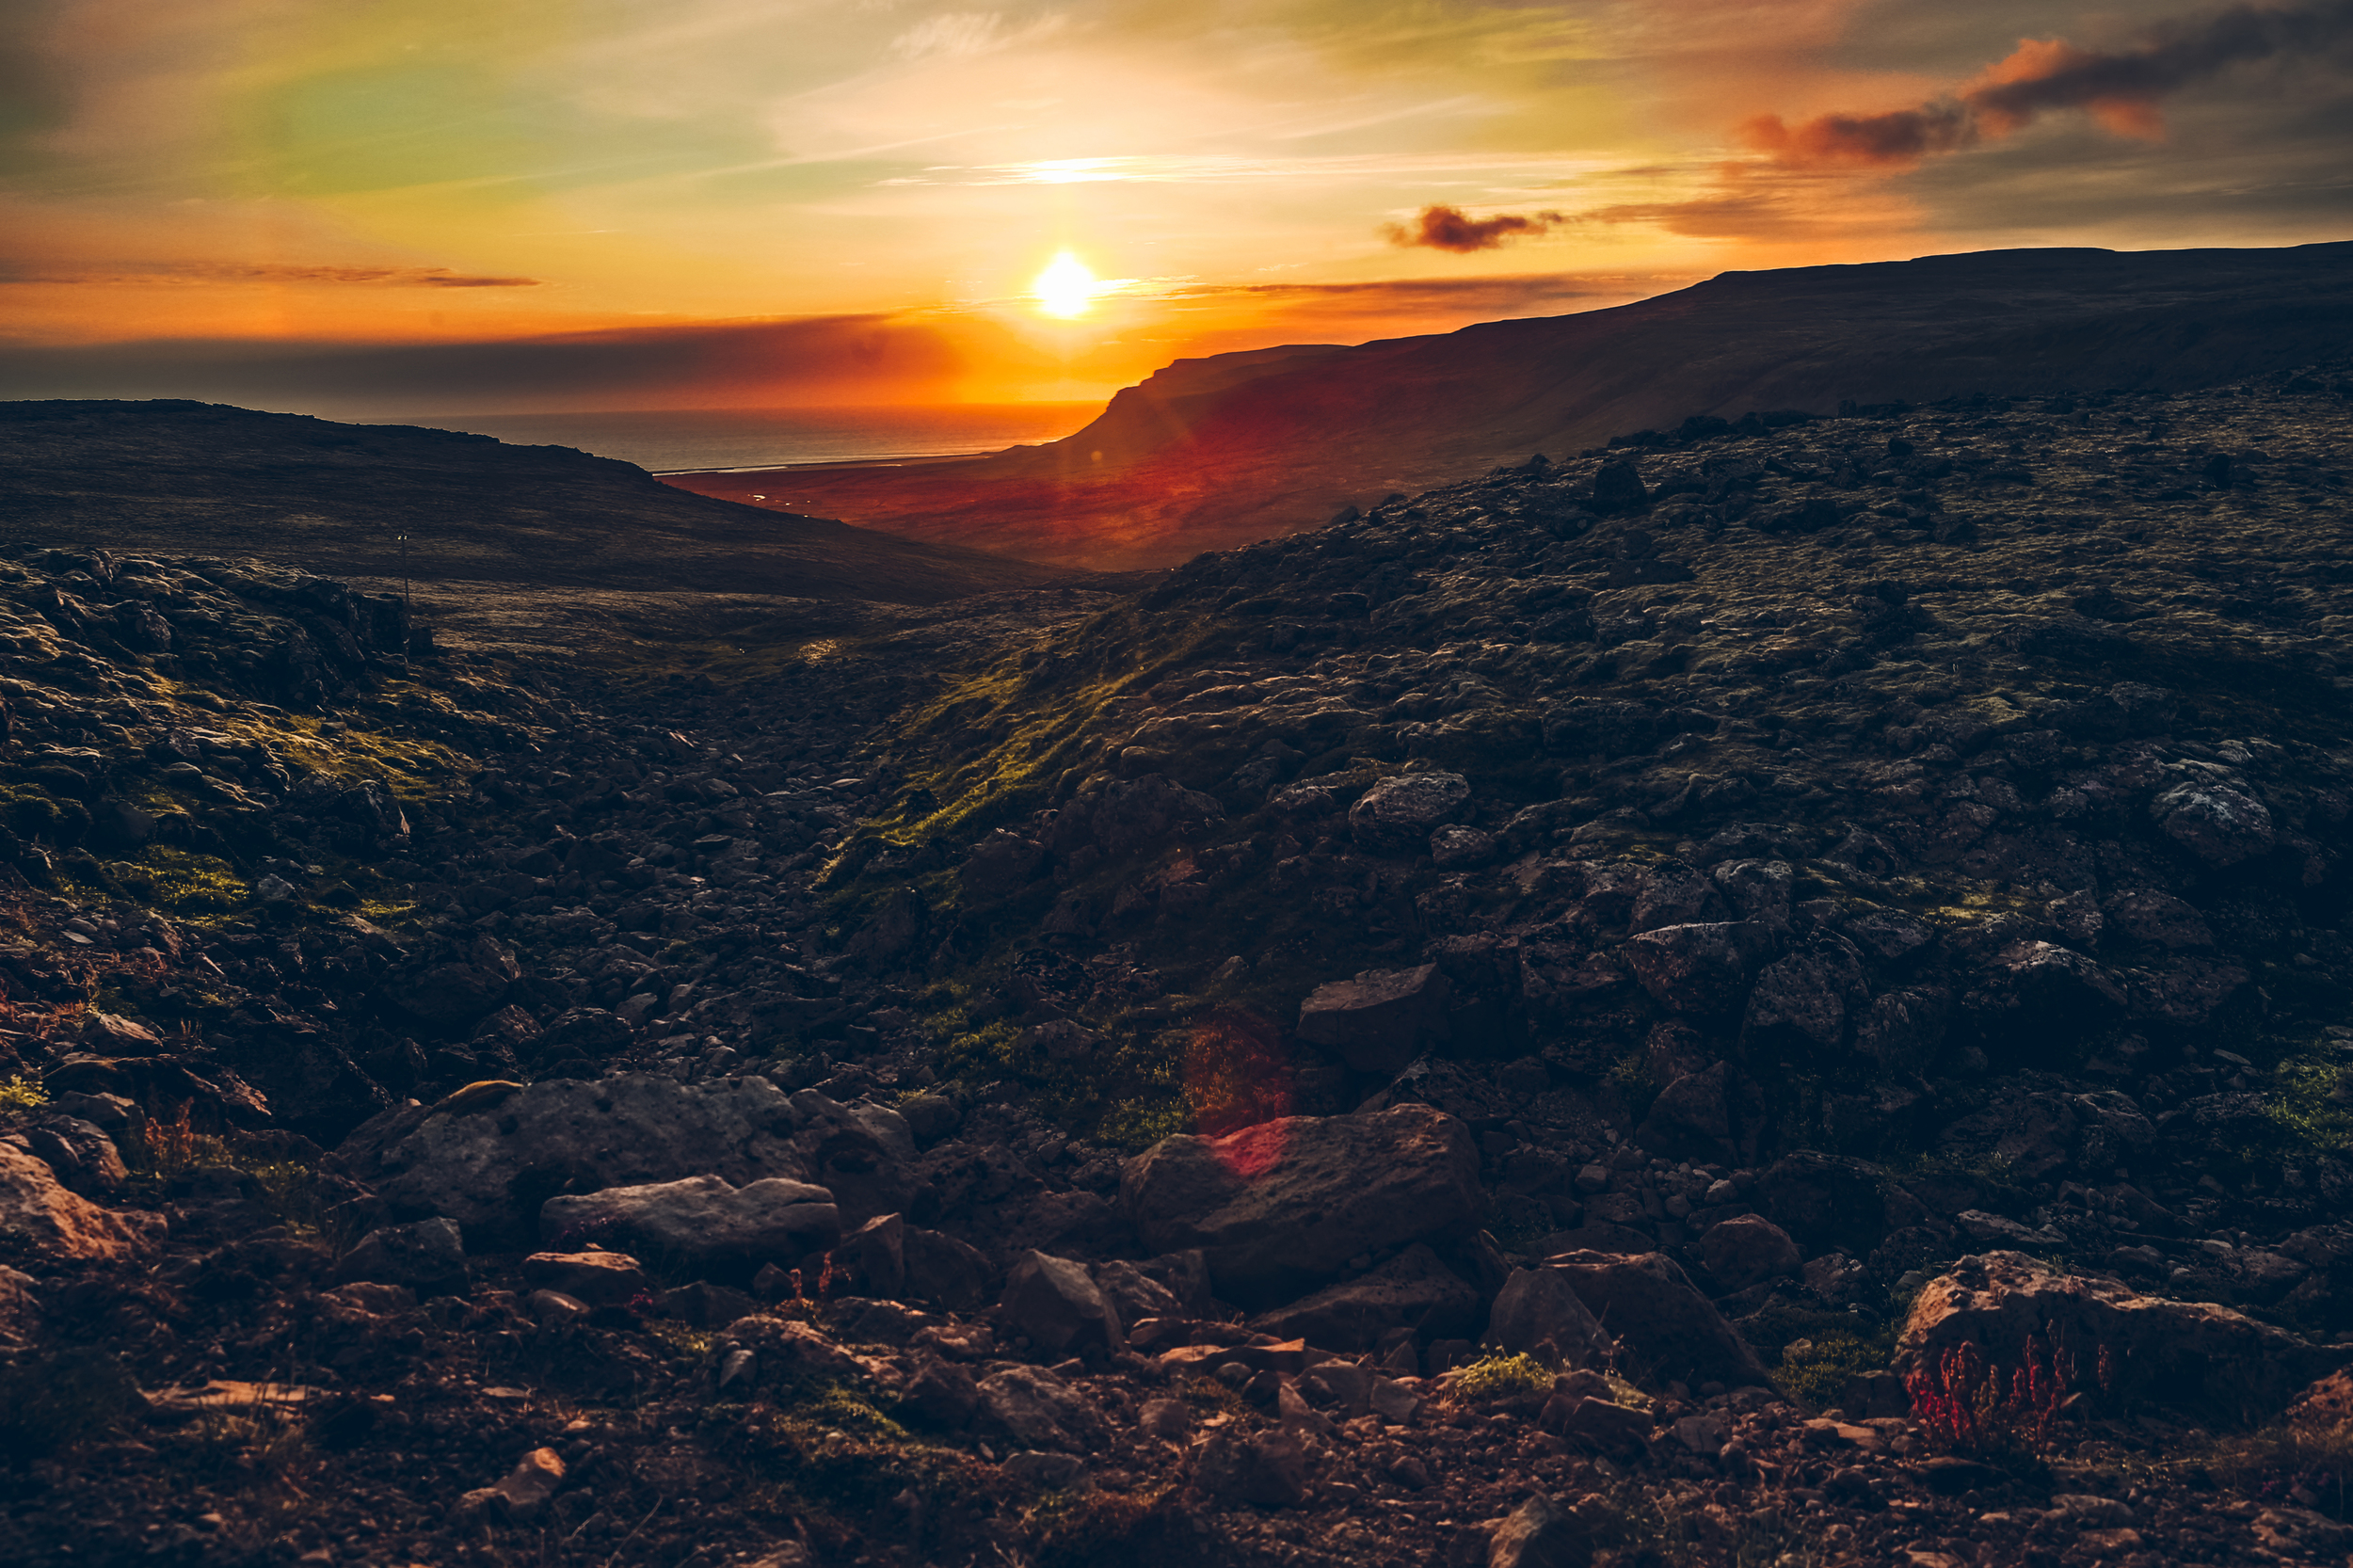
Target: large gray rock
(2219,822)
(1057,1306)
(1746,1250)
(490,1161)
(2195,1356)
(1664,1326)
(702,1223)
(1701,968)
(1539,1312)
(429,1257)
(1413,1290)
(1399,813)
(1541,1534)
(1279,1208)
(1378,1021)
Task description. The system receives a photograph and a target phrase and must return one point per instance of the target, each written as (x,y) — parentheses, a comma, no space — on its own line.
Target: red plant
(1965,1404)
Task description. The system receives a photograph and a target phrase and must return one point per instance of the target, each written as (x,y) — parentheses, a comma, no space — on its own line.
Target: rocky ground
(1772,993)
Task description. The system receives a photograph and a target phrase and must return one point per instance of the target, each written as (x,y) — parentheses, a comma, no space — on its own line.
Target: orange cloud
(2124,89)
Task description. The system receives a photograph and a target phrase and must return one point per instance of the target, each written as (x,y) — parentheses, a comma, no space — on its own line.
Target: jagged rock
(598,1278)
(1412,1289)
(490,1162)
(2220,824)
(20,1307)
(2146,915)
(1135,1295)
(1046,1472)
(1378,1021)
(1052,1301)
(2209,1360)
(1673,894)
(1458,848)
(783,1353)
(1399,813)
(942,1393)
(1038,1409)
(1269,1470)
(1659,1317)
(40,1218)
(1827,1200)
(1001,863)
(1692,1114)
(1746,1249)
(1538,1311)
(703,1222)
(1279,1206)
(1808,993)
(429,1257)
(520,1498)
(1541,1534)
(946,1270)
(1700,969)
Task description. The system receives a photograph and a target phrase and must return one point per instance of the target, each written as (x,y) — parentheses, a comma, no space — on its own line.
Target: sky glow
(216,179)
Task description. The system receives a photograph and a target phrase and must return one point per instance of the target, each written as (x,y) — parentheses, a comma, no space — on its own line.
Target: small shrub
(1965,1404)
(1814,1371)
(1500,1377)
(20,1094)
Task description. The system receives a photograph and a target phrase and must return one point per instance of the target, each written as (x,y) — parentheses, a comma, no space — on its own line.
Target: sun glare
(1065,288)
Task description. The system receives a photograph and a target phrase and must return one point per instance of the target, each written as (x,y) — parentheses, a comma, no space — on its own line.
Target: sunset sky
(351,205)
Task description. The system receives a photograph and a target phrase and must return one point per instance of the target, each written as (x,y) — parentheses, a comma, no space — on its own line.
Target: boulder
(1269,1470)
(41,1218)
(1378,1021)
(2219,823)
(780,1354)
(1540,1534)
(1662,1322)
(945,1270)
(20,1307)
(487,1159)
(1673,894)
(1052,1301)
(1002,863)
(1692,1114)
(598,1278)
(1412,1290)
(872,1260)
(1399,813)
(704,1224)
(1748,1250)
(2215,1364)
(1805,996)
(1457,848)
(429,1257)
(1279,1208)
(1827,1200)
(1038,1410)
(1701,968)
(2146,915)
(1537,1312)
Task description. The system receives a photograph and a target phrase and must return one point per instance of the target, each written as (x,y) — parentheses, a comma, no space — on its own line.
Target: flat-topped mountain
(1240,447)
(197,478)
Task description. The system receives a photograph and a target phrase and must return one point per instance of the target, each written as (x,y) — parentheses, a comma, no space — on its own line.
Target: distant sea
(675,439)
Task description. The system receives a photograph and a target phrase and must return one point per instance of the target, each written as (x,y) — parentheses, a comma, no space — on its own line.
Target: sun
(1065,288)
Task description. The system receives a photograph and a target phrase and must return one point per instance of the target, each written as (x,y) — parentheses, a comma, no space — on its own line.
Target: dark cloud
(822,359)
(381,277)
(1452,228)
(2124,88)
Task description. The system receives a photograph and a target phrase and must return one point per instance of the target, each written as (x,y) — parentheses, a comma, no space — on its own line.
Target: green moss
(185,883)
(1500,1377)
(2302,1103)
(19,1094)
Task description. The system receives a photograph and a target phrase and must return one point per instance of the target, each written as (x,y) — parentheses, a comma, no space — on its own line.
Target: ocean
(671,441)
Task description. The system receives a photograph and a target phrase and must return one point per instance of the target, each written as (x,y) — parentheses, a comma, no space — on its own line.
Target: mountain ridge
(1276,451)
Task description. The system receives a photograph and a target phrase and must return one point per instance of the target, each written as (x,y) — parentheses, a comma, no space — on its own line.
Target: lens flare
(1065,288)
